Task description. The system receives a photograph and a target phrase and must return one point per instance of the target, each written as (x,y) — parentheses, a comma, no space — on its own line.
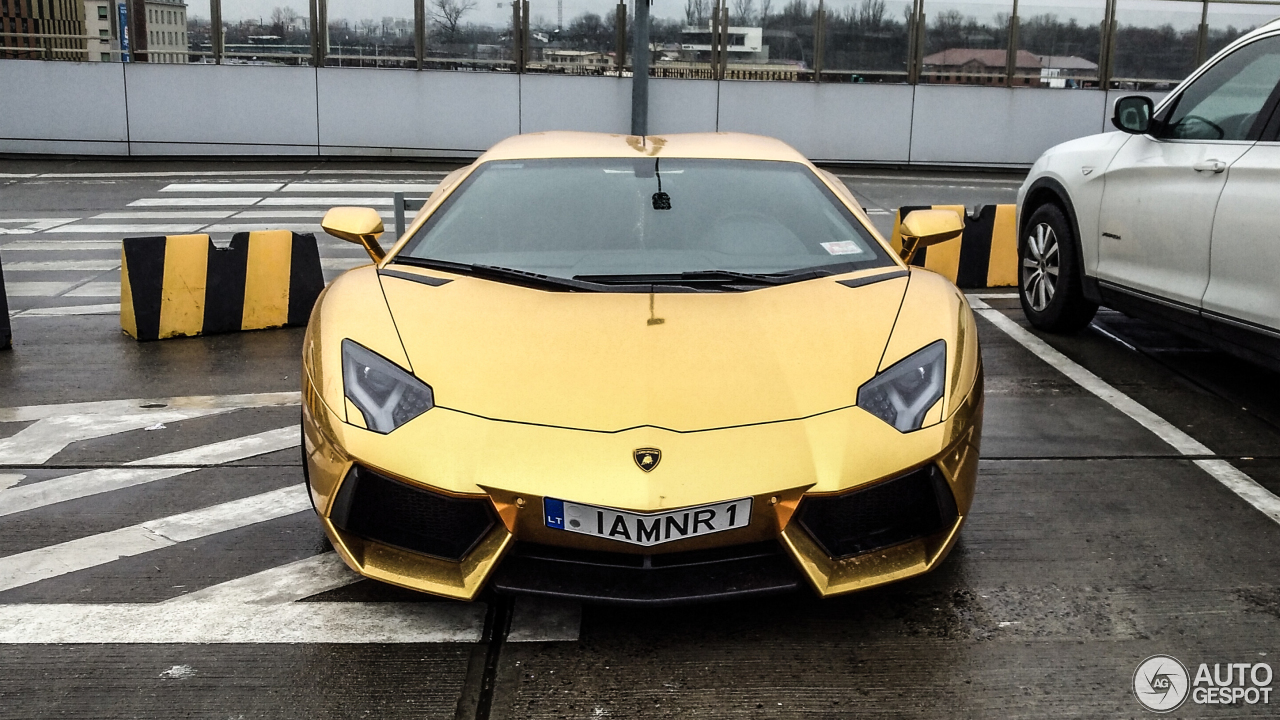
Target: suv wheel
(1049,272)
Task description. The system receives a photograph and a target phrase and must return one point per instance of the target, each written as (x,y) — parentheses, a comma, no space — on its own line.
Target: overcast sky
(1182,15)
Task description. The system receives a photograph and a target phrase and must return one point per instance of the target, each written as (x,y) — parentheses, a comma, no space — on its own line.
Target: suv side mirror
(1133,114)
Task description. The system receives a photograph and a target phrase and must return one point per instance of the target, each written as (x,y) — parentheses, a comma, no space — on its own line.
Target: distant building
(42,30)
(99,23)
(576,59)
(165,28)
(746,44)
(1062,71)
(974,66)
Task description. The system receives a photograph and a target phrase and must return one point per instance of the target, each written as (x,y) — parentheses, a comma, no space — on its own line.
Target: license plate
(646,529)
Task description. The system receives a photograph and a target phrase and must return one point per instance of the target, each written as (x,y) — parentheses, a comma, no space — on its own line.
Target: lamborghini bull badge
(647,458)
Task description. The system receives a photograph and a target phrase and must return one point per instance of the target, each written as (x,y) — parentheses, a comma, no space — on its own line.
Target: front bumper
(816,456)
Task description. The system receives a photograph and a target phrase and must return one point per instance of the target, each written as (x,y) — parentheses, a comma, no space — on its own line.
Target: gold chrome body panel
(549,394)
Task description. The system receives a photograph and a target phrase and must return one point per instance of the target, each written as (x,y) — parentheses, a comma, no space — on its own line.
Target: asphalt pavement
(158,558)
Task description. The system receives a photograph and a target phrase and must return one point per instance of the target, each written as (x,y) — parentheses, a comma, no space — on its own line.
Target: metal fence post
(6,330)
(1011,55)
(524,36)
(640,71)
(620,21)
(215,30)
(420,32)
(1202,40)
(517,44)
(723,40)
(819,40)
(1106,67)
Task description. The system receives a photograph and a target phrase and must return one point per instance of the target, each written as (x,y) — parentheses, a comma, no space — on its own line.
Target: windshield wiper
(707,277)
(511,276)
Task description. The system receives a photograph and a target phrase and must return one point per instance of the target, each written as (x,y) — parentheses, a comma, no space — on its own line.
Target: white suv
(1175,219)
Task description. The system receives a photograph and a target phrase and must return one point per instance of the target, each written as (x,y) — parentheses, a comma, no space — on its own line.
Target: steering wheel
(1209,123)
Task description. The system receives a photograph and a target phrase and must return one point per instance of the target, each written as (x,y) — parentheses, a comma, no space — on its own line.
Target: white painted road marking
(330,201)
(193,202)
(389,188)
(43,563)
(1222,471)
(157,229)
(136,405)
(97,289)
(37,289)
(59,245)
(222,187)
(164,215)
(32,225)
(286,583)
(316,622)
(160,467)
(67,310)
(62,265)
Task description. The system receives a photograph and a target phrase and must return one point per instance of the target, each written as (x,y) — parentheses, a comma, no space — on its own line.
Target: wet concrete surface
(1091,545)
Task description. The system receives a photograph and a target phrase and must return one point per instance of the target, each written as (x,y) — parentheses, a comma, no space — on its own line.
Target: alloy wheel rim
(1040,267)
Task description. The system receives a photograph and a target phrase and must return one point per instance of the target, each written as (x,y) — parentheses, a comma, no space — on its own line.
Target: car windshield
(650,220)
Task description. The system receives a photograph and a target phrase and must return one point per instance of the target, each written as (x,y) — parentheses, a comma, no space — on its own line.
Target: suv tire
(1049,274)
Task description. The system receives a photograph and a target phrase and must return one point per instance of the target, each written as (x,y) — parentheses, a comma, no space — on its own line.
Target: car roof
(718,145)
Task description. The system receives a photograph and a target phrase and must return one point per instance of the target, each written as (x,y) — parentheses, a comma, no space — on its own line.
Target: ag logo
(1161,683)
(647,458)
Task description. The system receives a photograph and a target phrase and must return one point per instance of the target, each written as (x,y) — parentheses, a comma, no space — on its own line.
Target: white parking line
(81,554)
(36,289)
(92,482)
(97,289)
(222,187)
(1222,471)
(26,413)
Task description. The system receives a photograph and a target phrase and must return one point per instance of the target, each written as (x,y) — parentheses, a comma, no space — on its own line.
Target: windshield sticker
(844,247)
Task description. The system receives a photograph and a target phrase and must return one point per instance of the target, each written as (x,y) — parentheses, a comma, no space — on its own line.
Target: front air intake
(377,508)
(915,505)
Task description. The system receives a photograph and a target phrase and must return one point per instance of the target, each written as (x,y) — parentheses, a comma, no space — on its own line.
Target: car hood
(607,362)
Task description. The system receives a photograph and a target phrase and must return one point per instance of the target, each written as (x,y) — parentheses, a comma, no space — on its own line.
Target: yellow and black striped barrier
(6,331)
(183,285)
(985,256)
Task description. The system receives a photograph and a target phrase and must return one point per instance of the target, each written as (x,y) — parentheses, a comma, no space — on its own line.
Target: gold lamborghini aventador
(641,370)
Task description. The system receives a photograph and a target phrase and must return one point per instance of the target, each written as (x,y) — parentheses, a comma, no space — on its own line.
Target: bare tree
(870,15)
(697,12)
(766,7)
(447,15)
(283,19)
(744,12)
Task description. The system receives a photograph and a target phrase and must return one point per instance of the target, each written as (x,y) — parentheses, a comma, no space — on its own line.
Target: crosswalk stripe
(388,188)
(343,263)
(330,201)
(251,227)
(158,229)
(26,413)
(59,245)
(222,187)
(69,310)
(286,583)
(37,289)
(93,482)
(243,623)
(194,202)
(81,554)
(316,213)
(164,215)
(97,289)
(52,265)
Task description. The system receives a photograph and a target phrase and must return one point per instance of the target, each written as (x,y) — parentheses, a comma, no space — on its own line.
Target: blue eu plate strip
(553,510)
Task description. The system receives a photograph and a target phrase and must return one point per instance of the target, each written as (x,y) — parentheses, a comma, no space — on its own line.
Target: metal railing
(1019,43)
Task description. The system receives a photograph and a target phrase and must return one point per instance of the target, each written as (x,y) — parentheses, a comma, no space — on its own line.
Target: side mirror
(358,225)
(922,228)
(1133,114)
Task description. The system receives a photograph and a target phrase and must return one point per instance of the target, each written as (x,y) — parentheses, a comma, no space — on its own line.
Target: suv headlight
(903,394)
(385,395)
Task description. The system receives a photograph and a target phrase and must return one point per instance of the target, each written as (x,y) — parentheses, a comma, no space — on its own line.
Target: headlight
(385,395)
(903,394)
